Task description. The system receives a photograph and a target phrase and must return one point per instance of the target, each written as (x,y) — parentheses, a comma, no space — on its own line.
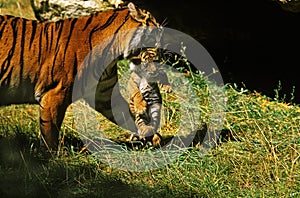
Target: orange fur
(40,60)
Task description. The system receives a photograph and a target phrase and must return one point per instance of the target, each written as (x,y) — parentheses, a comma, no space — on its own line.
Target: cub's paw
(134,137)
(166,88)
(146,131)
(156,139)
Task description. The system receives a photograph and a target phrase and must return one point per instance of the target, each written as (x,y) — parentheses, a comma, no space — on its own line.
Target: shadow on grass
(24,172)
(222,136)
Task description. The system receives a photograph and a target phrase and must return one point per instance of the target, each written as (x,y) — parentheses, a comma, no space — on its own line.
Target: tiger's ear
(132,9)
(137,14)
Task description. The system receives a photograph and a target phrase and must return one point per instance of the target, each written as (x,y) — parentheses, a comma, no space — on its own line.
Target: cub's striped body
(39,62)
(145,99)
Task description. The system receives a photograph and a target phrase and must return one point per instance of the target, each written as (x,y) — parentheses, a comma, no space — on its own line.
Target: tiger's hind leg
(53,106)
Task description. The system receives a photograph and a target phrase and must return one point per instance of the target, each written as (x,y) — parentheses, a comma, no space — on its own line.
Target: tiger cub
(145,98)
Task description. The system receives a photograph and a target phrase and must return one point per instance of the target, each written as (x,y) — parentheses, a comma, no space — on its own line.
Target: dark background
(254,43)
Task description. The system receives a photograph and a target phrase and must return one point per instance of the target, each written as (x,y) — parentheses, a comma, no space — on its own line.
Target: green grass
(259,159)
(257,156)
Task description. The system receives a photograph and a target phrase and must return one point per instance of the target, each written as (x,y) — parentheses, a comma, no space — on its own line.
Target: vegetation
(258,154)
(21,8)
(261,158)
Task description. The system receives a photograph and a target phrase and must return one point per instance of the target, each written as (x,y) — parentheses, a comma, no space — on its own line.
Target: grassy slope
(260,159)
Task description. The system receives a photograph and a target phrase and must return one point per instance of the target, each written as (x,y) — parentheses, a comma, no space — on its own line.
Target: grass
(260,159)
(258,154)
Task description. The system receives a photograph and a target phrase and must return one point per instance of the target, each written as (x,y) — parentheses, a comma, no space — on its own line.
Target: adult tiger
(39,62)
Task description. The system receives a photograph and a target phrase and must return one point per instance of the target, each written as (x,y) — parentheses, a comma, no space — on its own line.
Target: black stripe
(23,34)
(40,45)
(75,64)
(60,25)
(51,39)
(3,25)
(115,33)
(42,122)
(6,63)
(9,17)
(46,26)
(73,22)
(53,64)
(88,22)
(33,32)
(125,20)
(7,79)
(57,24)
(107,23)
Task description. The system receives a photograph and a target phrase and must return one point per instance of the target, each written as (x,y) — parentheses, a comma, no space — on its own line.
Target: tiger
(40,62)
(145,99)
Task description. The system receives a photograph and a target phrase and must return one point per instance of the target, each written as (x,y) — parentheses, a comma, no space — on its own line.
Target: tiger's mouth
(151,76)
(144,37)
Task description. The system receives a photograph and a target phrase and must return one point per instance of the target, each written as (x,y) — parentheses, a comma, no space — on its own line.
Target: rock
(53,10)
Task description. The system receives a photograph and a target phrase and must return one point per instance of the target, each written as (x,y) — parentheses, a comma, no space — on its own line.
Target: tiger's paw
(166,88)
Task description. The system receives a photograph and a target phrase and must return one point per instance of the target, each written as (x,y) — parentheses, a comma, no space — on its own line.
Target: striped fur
(39,62)
(145,98)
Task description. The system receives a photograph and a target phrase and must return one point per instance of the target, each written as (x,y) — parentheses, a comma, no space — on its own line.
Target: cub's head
(147,64)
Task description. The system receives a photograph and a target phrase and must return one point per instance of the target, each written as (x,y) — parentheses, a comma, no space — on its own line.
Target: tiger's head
(148,32)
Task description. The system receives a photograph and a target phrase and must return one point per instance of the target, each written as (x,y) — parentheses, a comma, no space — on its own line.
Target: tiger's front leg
(53,106)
